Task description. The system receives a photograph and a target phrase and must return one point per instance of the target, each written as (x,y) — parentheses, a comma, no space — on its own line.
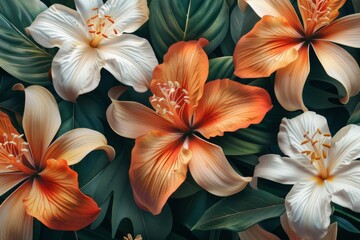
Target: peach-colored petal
(255,232)
(14,222)
(270,45)
(339,64)
(132,119)
(211,170)
(242,5)
(55,199)
(316,14)
(41,119)
(74,145)
(228,105)
(180,81)
(286,226)
(290,81)
(158,167)
(277,8)
(345,31)
(332,232)
(10,180)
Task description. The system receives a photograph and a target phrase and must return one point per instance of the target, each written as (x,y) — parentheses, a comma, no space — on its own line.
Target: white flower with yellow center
(92,38)
(322,169)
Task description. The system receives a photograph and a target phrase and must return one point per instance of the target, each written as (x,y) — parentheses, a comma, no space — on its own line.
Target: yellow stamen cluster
(99,26)
(318,11)
(13,149)
(317,145)
(173,98)
(129,237)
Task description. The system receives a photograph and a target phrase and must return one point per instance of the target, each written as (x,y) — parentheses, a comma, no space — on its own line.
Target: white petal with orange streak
(88,8)
(74,145)
(255,232)
(340,65)
(212,171)
(272,44)
(290,81)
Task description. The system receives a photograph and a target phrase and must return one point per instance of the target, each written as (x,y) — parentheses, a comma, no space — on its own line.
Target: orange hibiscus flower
(166,140)
(48,189)
(279,42)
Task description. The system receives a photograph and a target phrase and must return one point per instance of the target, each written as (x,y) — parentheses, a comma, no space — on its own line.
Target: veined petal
(277,8)
(56,201)
(282,169)
(228,105)
(290,81)
(58,25)
(14,222)
(255,232)
(291,134)
(345,147)
(345,186)
(41,119)
(130,59)
(76,70)
(10,180)
(272,44)
(132,119)
(88,8)
(158,167)
(185,65)
(339,64)
(345,31)
(128,16)
(308,209)
(74,145)
(212,171)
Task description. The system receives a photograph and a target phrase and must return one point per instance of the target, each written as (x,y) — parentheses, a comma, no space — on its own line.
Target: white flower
(92,38)
(322,169)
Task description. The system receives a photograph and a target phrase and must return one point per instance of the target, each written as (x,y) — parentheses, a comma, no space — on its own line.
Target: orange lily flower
(47,188)
(279,42)
(166,143)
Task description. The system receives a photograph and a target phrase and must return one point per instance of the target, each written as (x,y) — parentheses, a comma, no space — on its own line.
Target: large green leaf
(183,20)
(356,4)
(19,55)
(220,68)
(240,211)
(242,22)
(355,116)
(9,99)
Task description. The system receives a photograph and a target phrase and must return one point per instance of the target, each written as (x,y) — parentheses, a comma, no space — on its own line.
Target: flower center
(173,100)
(12,150)
(317,150)
(317,11)
(99,27)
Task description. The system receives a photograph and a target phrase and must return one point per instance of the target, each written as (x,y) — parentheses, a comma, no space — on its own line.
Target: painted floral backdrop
(179,119)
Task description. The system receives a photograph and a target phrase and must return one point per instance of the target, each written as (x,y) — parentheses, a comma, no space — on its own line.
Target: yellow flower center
(99,27)
(317,10)
(12,150)
(317,150)
(173,98)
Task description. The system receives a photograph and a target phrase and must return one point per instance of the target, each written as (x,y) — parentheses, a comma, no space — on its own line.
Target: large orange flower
(166,143)
(47,188)
(279,42)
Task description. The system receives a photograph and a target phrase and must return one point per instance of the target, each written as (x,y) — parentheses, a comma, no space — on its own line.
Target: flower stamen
(99,27)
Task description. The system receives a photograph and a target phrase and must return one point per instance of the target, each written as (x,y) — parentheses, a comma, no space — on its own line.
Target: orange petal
(14,222)
(270,45)
(10,180)
(132,119)
(340,65)
(277,8)
(228,105)
(212,171)
(74,145)
(290,81)
(41,119)
(255,232)
(345,31)
(158,167)
(55,199)
(187,64)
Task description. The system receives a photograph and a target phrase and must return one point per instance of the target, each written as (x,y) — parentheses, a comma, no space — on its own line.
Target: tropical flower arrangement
(179,119)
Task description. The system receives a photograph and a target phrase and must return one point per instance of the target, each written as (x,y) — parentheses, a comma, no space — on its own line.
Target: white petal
(282,169)
(345,186)
(57,25)
(88,8)
(127,15)
(292,131)
(75,70)
(130,59)
(345,147)
(308,209)
(340,65)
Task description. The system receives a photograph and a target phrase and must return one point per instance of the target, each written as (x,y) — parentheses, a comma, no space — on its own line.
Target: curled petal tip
(115,92)
(203,42)
(18,87)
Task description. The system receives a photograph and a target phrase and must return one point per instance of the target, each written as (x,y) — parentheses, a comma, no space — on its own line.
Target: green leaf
(240,211)
(9,99)
(220,68)
(355,116)
(345,224)
(242,22)
(173,20)
(19,55)
(356,4)
(99,234)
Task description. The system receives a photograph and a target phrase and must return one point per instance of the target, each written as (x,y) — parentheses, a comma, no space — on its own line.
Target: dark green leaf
(220,68)
(345,224)
(356,4)
(240,211)
(242,22)
(355,116)
(99,234)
